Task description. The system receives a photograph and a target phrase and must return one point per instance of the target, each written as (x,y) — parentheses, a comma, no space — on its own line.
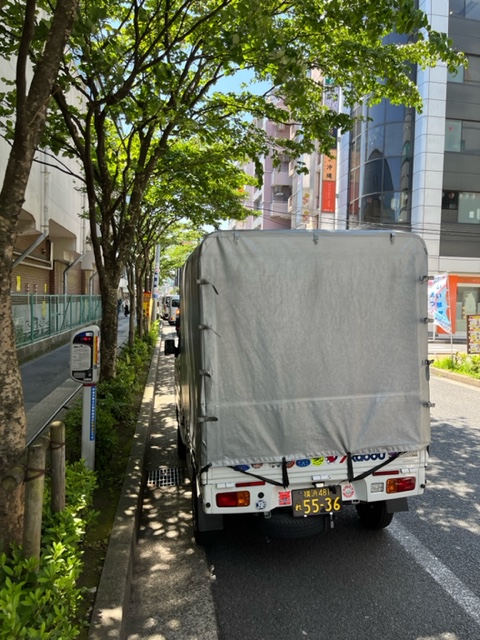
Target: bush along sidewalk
(466,364)
(51,598)
(39,599)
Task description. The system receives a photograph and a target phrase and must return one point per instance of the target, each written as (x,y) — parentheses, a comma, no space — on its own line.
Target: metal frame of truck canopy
(301,344)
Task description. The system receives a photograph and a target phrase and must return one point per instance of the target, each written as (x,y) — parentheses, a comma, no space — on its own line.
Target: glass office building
(421,172)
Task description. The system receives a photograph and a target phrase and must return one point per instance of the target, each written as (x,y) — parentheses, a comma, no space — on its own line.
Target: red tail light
(233,499)
(255,483)
(397,485)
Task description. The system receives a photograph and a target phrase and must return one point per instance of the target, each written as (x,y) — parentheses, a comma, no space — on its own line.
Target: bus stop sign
(85,355)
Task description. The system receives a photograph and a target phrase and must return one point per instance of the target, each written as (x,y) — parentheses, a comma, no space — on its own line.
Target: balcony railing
(279,208)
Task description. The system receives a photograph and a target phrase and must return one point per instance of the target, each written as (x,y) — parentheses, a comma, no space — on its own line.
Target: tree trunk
(30,114)
(137,281)
(133,306)
(12,420)
(108,327)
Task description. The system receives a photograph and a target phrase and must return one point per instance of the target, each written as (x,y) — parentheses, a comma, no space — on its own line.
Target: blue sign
(93,411)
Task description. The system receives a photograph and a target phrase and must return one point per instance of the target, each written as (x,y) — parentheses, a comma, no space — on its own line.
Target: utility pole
(156,279)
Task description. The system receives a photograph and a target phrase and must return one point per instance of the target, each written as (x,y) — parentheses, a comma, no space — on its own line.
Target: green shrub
(460,363)
(116,408)
(39,600)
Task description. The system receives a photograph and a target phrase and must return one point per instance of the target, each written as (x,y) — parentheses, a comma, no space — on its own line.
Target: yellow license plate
(314,502)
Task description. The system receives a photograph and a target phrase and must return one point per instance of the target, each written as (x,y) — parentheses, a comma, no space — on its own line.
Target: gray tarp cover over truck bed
(306,343)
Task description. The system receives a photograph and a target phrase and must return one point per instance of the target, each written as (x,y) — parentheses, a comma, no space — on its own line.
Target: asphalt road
(47,384)
(416,580)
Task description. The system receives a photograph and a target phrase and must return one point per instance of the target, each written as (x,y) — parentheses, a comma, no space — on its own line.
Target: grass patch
(466,364)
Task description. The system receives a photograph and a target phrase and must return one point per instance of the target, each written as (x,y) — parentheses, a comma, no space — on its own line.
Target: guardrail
(38,316)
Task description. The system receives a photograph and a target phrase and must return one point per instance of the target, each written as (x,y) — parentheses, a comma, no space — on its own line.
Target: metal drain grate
(166,477)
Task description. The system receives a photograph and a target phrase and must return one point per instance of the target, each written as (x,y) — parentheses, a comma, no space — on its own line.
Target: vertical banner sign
(147,301)
(329,182)
(438,302)
(156,275)
(473,334)
(93,411)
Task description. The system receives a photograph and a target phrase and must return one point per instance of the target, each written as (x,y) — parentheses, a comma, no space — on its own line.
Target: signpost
(156,281)
(473,334)
(85,368)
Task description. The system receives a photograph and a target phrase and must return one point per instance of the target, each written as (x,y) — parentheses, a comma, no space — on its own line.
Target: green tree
(146,72)
(199,185)
(24,34)
(142,74)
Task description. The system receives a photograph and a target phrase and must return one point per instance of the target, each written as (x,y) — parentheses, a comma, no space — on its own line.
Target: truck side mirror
(170,348)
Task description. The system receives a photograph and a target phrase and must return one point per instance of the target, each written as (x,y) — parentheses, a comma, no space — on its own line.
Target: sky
(233,83)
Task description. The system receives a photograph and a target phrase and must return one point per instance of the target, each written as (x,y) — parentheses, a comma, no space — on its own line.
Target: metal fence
(40,316)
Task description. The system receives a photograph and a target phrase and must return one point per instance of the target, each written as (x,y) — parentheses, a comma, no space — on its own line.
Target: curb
(113,594)
(457,377)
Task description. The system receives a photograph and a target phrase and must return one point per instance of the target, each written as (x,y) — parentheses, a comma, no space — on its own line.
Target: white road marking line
(449,582)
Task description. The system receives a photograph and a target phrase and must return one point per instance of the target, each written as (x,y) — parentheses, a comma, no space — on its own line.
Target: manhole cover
(166,477)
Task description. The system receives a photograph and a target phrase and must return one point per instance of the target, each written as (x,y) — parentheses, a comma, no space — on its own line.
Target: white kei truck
(302,377)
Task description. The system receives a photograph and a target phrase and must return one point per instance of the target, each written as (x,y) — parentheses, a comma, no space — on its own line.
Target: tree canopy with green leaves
(141,77)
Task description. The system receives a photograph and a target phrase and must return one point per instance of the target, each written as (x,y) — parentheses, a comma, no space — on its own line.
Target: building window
(462,135)
(457,76)
(461,207)
(469,9)
(380,167)
(453,135)
(469,208)
(470,74)
(450,200)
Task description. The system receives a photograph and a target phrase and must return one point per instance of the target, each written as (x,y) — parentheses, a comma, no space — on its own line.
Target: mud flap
(396,505)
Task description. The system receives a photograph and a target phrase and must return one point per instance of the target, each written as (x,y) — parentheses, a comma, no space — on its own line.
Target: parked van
(165,303)
(173,305)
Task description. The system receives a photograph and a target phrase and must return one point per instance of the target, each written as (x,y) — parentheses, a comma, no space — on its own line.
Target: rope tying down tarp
(205,281)
(351,476)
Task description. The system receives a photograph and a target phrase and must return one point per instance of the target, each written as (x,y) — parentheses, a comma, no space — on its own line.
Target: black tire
(202,538)
(374,515)
(282,524)
(181,446)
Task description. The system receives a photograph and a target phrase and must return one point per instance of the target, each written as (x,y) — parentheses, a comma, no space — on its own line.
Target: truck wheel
(181,446)
(202,537)
(374,515)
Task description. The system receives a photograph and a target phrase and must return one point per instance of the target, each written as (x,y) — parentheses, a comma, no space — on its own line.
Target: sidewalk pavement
(155,583)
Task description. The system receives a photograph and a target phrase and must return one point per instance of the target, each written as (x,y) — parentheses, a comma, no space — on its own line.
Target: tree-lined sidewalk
(134,98)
